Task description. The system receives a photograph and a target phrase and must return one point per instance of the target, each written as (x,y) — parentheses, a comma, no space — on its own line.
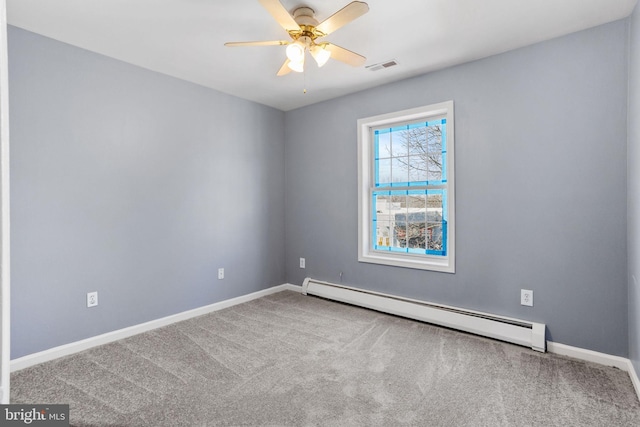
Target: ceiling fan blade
(284,69)
(265,43)
(342,17)
(345,55)
(277,10)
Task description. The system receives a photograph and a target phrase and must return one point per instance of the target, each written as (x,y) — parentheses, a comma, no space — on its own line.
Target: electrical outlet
(220,273)
(92,299)
(302,263)
(526,297)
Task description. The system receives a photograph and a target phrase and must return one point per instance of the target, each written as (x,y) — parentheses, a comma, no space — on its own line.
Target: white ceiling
(184,38)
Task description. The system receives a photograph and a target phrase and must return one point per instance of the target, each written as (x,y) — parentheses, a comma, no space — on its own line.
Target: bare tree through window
(417,153)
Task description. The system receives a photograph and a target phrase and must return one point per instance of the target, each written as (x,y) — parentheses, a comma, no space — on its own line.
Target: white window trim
(365,182)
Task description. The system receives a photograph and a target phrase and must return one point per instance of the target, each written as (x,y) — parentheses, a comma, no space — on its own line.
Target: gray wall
(541,187)
(135,185)
(633,190)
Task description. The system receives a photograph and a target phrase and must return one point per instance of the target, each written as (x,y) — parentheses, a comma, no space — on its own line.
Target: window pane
(434,137)
(399,170)
(434,152)
(409,221)
(382,221)
(434,164)
(416,200)
(436,222)
(383,142)
(416,140)
(386,207)
(435,205)
(383,172)
(416,207)
(434,236)
(418,170)
(398,143)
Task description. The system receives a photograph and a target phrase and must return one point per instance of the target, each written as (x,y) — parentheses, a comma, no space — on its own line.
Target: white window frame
(366,171)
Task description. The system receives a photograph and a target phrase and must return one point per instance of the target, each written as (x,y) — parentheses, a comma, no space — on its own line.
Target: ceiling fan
(304,29)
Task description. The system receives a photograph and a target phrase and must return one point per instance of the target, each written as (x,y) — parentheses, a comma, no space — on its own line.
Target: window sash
(431,226)
(378,158)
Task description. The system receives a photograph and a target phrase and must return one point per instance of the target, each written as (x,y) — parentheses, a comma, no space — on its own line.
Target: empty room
(300,213)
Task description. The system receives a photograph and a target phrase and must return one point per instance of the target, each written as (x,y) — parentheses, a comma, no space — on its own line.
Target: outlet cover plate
(526,297)
(220,273)
(302,263)
(92,299)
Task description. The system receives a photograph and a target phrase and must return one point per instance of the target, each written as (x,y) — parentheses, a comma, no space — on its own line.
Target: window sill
(408,261)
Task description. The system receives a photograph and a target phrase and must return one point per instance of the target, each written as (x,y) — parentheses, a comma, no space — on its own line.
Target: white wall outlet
(526,297)
(220,273)
(92,299)
(302,263)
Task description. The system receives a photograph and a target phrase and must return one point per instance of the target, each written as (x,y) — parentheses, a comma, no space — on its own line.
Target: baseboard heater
(521,332)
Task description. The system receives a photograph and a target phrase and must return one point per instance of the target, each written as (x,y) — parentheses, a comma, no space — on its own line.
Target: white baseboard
(588,355)
(634,378)
(599,358)
(75,347)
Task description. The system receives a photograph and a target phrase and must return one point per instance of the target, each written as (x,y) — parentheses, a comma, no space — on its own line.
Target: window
(406,189)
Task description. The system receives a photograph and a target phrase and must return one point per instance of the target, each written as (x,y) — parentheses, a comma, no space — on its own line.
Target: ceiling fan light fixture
(297,66)
(320,54)
(295,52)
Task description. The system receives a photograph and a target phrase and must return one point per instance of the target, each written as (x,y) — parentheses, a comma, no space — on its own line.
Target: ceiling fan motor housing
(304,16)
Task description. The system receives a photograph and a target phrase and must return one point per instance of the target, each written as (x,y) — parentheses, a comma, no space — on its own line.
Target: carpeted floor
(294,360)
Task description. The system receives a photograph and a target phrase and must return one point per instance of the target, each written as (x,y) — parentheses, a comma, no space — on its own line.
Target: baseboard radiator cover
(516,331)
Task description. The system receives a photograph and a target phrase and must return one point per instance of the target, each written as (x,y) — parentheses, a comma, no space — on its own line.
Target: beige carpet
(294,360)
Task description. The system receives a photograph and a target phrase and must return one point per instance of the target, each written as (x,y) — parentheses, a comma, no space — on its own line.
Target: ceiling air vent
(381,65)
